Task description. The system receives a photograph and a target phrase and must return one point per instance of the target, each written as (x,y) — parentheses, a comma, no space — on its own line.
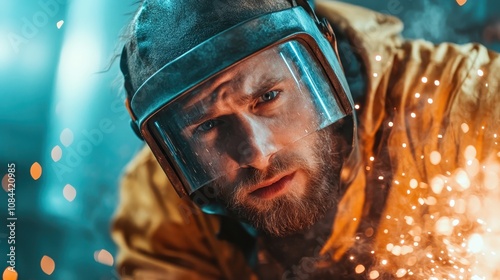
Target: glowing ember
(431,200)
(413,183)
(444,226)
(429,100)
(104,257)
(401,272)
(462,179)
(470,152)
(436,83)
(417,95)
(459,235)
(465,127)
(48,265)
(359,269)
(452,203)
(9,274)
(374,274)
(437,184)
(435,157)
(5,182)
(391,124)
(475,244)
(36,171)
(424,80)
(389,247)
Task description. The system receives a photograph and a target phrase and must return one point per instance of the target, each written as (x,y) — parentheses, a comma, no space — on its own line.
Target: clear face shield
(245,114)
(250,92)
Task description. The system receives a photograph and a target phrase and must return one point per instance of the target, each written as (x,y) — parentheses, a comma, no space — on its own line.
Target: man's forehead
(259,68)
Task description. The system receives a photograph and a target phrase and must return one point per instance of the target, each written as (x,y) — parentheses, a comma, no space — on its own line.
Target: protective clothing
(425,108)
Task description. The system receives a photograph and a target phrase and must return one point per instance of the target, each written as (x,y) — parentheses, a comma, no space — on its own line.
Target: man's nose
(257,145)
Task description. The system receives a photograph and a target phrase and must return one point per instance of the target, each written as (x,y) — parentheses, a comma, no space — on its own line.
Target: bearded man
(296,149)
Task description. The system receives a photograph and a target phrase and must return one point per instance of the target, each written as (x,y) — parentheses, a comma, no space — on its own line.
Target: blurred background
(63,123)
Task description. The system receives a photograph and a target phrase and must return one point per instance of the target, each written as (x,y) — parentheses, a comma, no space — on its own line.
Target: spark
(435,157)
(401,272)
(437,184)
(465,127)
(476,243)
(378,58)
(374,274)
(429,100)
(462,179)
(480,72)
(424,80)
(413,183)
(359,269)
(417,95)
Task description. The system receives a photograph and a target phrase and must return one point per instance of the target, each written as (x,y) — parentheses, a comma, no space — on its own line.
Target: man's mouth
(273,187)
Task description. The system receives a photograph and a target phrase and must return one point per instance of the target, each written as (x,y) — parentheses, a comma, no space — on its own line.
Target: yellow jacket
(430,114)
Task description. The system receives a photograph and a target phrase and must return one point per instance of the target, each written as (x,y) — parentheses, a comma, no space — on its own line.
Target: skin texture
(259,123)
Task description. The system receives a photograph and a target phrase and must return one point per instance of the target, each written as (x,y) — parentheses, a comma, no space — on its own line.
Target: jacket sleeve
(161,236)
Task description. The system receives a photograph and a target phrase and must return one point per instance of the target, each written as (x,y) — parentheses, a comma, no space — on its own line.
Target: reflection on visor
(249,111)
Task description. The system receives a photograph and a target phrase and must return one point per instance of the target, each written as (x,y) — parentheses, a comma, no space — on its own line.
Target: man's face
(279,175)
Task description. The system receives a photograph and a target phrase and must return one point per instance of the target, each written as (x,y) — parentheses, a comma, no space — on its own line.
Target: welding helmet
(270,72)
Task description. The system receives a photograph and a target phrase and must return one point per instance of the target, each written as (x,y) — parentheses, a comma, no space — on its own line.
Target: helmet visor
(244,113)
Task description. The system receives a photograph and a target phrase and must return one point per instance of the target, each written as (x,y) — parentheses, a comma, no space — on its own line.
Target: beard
(292,211)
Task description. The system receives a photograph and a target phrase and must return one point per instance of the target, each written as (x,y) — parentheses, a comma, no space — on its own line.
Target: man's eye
(206,126)
(268,96)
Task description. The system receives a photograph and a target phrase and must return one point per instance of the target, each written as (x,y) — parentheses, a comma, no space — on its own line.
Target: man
(247,109)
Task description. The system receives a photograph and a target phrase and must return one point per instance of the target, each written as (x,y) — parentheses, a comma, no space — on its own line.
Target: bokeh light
(36,171)
(48,265)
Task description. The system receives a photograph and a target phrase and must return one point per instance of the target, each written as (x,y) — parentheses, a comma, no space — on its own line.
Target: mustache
(248,177)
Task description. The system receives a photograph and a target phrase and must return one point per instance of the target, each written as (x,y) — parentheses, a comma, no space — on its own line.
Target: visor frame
(277,28)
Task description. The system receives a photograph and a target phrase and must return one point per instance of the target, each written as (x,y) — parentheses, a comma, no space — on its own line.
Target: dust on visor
(256,88)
